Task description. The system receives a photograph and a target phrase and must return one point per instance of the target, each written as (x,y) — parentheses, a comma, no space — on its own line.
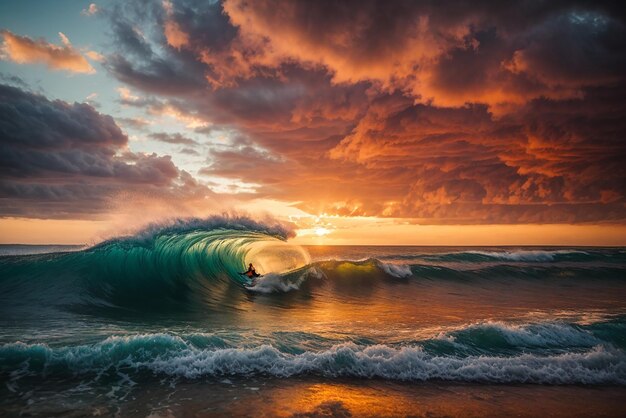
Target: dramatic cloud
(62,160)
(441,112)
(542,165)
(446,53)
(25,50)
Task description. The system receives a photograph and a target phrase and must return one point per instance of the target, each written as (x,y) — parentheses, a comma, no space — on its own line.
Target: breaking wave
(552,353)
(192,260)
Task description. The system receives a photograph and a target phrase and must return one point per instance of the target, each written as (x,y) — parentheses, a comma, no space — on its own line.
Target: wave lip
(181,226)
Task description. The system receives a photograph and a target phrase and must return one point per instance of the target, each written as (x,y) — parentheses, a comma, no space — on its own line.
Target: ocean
(162,324)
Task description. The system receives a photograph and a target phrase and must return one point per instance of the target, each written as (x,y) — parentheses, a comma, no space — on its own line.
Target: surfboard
(252,282)
(251,277)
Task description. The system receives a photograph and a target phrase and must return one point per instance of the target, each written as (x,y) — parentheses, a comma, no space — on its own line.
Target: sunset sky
(360,122)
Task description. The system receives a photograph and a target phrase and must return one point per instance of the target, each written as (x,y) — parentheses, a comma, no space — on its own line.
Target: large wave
(183,260)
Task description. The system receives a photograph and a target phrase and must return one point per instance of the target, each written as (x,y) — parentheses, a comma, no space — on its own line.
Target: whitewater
(167,307)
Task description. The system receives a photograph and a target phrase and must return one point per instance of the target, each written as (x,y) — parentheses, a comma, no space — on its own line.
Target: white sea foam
(598,366)
(275,283)
(525,255)
(177,358)
(396,270)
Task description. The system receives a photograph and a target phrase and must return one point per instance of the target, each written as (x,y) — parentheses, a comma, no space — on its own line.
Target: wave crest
(164,354)
(540,335)
(178,263)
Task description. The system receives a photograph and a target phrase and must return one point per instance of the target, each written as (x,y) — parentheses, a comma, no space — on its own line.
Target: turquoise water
(168,306)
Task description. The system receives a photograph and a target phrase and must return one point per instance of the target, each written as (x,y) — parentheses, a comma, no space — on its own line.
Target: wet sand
(312,397)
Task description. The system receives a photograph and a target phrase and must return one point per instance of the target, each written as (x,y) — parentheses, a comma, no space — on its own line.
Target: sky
(357,122)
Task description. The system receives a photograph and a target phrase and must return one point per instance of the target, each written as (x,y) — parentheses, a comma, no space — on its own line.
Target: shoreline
(311,396)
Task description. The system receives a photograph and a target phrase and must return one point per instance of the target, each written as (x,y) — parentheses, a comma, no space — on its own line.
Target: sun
(321,231)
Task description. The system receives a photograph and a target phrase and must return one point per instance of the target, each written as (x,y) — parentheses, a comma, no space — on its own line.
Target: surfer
(251,272)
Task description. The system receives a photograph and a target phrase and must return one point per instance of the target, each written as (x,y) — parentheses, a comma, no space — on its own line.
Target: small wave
(526,255)
(372,269)
(400,271)
(366,268)
(168,355)
(490,335)
(473,255)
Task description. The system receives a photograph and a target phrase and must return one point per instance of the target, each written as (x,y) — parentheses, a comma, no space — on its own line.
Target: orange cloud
(175,36)
(24,50)
(346,41)
(447,60)
(467,114)
(96,56)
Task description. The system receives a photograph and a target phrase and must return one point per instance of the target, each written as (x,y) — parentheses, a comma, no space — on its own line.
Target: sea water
(163,324)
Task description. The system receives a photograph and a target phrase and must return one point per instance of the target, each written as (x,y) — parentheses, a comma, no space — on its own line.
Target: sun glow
(321,231)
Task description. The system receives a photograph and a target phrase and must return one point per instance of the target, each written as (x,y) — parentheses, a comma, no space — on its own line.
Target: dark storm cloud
(447,111)
(62,160)
(581,48)
(156,75)
(140,62)
(129,36)
(26,119)
(205,23)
